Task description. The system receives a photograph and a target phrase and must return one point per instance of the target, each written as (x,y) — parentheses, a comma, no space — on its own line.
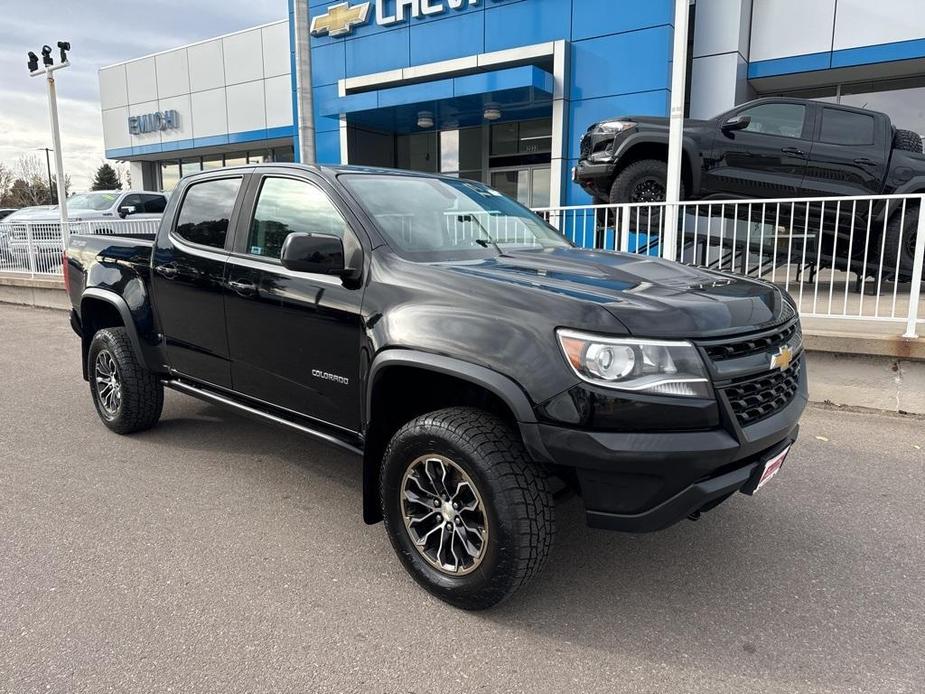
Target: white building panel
(783,28)
(722,27)
(172,73)
(246,109)
(278,91)
(180,104)
(866,23)
(275,41)
(206,65)
(113,88)
(243,56)
(115,128)
(208,113)
(139,110)
(141,77)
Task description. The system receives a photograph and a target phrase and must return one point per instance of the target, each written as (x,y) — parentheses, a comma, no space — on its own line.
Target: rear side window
(154,204)
(206,211)
(846,128)
(783,120)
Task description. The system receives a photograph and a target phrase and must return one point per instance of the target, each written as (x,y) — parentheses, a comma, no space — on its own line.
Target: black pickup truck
(770,148)
(478,362)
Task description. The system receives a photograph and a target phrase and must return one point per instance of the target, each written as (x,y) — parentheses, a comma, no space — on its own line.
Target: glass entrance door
(528,185)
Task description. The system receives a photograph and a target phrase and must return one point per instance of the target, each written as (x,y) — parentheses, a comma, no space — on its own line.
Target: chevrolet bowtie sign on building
(340,19)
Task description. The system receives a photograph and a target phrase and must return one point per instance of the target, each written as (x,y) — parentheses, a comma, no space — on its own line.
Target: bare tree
(31,181)
(6,182)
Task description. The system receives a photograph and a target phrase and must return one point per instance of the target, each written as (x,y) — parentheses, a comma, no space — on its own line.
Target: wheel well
(96,314)
(401,393)
(658,151)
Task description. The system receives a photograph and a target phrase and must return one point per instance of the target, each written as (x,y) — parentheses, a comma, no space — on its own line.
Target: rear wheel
(128,397)
(468,515)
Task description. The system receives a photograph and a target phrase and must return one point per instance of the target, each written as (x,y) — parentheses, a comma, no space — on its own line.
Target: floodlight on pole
(47,71)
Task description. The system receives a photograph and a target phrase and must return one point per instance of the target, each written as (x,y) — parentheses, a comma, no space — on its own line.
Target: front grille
(586,146)
(760,397)
(789,334)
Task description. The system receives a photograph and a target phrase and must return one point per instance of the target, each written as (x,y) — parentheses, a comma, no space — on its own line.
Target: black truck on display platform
(477,362)
(774,148)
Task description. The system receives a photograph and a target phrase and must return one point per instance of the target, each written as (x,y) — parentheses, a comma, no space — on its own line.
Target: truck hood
(649,296)
(654,121)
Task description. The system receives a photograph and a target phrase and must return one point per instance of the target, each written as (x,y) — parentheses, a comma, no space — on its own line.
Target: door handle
(793,150)
(166,271)
(243,288)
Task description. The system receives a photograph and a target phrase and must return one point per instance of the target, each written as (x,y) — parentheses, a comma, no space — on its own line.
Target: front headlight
(659,367)
(615,126)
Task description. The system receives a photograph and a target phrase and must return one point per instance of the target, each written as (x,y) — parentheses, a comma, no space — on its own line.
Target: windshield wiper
(486,242)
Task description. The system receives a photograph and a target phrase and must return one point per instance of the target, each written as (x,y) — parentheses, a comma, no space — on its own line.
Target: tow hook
(695,516)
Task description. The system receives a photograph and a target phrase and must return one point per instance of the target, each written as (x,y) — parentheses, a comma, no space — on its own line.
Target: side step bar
(209,396)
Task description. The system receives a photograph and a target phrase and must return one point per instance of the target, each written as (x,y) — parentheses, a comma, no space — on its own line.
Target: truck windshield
(91,201)
(433,219)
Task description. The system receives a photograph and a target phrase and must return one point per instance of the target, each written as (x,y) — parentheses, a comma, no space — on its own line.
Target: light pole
(47,70)
(676,129)
(48,166)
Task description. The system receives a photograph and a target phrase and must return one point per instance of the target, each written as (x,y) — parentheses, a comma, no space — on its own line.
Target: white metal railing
(36,248)
(857,258)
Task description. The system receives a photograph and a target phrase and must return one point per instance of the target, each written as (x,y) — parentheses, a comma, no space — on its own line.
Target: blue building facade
(499,90)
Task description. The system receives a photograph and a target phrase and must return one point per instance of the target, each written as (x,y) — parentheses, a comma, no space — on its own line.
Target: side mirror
(739,122)
(319,253)
(126,210)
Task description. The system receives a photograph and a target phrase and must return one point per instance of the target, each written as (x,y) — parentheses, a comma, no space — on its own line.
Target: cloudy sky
(101,32)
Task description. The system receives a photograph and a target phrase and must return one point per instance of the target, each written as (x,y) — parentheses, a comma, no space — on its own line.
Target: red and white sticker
(771,468)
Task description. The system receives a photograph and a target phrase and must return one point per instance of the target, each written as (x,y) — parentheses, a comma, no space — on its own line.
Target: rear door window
(846,127)
(154,204)
(205,212)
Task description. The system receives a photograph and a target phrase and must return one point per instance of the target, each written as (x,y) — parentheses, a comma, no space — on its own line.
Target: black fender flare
(507,390)
(688,147)
(498,384)
(128,322)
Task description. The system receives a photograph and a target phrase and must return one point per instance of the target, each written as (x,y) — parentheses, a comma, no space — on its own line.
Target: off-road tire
(625,190)
(907,141)
(142,394)
(517,501)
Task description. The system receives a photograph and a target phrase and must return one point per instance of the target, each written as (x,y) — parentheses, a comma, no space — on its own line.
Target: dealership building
(495,90)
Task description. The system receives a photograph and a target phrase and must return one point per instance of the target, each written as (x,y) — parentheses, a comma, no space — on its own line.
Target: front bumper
(594,177)
(642,482)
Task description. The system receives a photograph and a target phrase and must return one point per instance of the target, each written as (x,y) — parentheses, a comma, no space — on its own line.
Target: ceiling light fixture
(425,120)
(492,112)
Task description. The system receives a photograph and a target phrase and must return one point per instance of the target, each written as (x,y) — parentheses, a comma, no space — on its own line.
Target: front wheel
(468,515)
(128,397)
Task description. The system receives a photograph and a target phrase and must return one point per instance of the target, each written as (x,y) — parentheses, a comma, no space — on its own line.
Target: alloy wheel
(108,383)
(649,190)
(444,515)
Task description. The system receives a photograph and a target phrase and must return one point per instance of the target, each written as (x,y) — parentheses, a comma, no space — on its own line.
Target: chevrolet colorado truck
(479,363)
(769,148)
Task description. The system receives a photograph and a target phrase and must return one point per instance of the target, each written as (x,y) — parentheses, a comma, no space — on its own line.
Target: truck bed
(106,262)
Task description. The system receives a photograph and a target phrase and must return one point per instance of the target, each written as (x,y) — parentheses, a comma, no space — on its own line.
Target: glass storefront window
(170,175)
(521,137)
(460,150)
(191,165)
(213,161)
(417,152)
(236,159)
(283,154)
(535,136)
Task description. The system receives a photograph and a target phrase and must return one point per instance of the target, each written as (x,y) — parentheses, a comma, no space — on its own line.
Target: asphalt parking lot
(217,554)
